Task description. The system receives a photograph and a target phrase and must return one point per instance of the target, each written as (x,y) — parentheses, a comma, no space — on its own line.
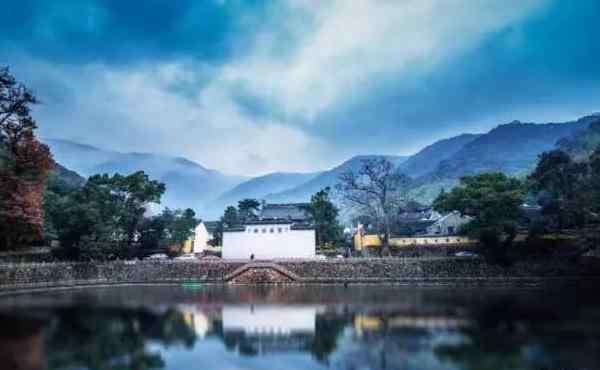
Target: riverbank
(410,271)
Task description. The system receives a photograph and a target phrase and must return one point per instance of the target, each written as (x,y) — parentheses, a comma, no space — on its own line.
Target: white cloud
(136,110)
(331,50)
(348,43)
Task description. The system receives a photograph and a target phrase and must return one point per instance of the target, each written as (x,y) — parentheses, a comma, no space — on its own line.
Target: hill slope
(511,148)
(583,142)
(303,192)
(427,159)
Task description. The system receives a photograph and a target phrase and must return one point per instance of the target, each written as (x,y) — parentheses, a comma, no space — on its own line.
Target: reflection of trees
(380,344)
(507,334)
(113,339)
(327,330)
(21,343)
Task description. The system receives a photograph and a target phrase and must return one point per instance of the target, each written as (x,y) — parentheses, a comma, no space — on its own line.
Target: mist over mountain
(511,148)
(303,192)
(263,186)
(189,184)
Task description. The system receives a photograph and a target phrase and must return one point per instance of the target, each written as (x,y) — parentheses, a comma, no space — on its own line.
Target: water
(279,328)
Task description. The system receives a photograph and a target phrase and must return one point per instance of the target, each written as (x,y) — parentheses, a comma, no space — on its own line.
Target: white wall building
(201,238)
(448,224)
(269,240)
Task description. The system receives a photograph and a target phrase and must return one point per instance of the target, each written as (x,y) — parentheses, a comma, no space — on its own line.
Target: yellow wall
(188,247)
(361,242)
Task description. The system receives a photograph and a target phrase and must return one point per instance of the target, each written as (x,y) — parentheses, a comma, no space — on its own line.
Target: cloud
(253,87)
(138,110)
(348,44)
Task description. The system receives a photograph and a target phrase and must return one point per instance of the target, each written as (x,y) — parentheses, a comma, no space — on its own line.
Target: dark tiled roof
(302,227)
(269,222)
(289,211)
(234,229)
(211,226)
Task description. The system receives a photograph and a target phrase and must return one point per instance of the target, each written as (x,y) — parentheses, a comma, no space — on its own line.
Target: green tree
(230,217)
(569,192)
(561,185)
(594,185)
(247,209)
(107,209)
(169,228)
(493,200)
(133,193)
(323,214)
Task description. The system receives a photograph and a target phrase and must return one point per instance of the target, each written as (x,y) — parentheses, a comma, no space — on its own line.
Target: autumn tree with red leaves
(24,166)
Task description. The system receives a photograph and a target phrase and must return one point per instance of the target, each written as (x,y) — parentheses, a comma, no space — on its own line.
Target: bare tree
(377,191)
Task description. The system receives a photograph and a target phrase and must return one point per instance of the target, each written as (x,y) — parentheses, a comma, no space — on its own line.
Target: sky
(251,87)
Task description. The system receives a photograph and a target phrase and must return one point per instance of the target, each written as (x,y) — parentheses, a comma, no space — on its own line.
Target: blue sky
(251,87)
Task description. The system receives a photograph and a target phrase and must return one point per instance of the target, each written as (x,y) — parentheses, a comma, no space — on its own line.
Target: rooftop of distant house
(284,211)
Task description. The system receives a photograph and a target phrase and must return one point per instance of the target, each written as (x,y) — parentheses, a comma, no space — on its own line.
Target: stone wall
(359,270)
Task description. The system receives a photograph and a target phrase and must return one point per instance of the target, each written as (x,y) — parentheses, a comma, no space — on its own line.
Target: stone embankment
(428,271)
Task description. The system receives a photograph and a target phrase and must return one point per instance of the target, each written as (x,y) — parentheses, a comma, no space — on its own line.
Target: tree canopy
(108,209)
(247,209)
(563,189)
(323,214)
(493,200)
(24,166)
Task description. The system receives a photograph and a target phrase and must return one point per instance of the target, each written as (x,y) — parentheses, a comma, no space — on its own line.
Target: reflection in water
(393,328)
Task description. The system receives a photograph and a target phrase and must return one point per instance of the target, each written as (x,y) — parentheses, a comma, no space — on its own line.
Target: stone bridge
(261,272)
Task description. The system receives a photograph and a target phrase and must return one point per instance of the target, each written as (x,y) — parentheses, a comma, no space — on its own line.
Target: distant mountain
(303,192)
(262,186)
(70,179)
(511,148)
(188,183)
(583,142)
(428,158)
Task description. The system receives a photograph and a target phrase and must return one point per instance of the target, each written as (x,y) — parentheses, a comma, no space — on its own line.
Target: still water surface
(279,328)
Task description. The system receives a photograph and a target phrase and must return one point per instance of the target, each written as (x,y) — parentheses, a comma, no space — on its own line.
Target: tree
(24,166)
(561,186)
(323,214)
(493,200)
(132,193)
(230,217)
(594,163)
(247,209)
(171,228)
(106,211)
(376,190)
(569,192)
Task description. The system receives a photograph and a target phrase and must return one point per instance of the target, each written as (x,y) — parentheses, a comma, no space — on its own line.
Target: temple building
(279,231)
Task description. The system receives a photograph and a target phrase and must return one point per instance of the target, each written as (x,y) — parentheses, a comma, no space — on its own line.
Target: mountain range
(512,148)
(189,184)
